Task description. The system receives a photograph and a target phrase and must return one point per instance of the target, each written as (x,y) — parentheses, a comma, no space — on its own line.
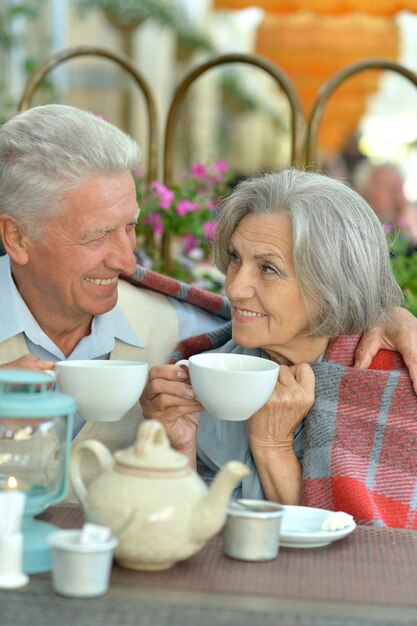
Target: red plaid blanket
(360,437)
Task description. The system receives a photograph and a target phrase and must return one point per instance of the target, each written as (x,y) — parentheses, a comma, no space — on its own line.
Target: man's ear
(15,241)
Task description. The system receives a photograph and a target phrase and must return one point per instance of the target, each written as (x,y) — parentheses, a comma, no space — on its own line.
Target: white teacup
(231,386)
(104,390)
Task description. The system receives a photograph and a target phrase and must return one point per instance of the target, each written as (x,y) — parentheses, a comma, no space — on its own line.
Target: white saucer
(301,528)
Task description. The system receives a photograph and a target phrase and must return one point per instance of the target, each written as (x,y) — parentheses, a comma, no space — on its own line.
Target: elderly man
(67,222)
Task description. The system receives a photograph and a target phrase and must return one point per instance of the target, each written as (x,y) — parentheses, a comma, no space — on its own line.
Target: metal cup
(252,530)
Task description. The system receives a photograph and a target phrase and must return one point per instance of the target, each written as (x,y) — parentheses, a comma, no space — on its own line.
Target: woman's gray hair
(340,252)
(51,149)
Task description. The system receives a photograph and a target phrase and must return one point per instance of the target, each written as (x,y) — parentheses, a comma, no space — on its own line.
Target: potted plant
(187,213)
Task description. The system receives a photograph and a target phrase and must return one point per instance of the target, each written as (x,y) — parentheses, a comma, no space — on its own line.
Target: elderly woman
(307,271)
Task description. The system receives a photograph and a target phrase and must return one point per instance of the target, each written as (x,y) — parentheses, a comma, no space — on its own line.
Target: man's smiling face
(74,267)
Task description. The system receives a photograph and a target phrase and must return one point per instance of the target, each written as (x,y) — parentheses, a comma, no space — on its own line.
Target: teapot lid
(151,450)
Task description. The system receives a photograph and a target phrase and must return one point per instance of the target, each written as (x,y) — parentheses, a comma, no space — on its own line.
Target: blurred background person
(382,186)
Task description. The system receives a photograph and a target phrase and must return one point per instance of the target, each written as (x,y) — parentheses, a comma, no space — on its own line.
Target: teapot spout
(209,516)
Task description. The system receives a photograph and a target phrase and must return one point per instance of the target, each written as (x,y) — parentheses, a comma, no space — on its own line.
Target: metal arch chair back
(121,60)
(329,87)
(297,118)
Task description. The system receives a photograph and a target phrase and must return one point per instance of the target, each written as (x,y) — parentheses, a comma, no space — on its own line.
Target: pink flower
(209,230)
(189,243)
(404,225)
(211,205)
(198,170)
(185,206)
(155,222)
(166,196)
(221,166)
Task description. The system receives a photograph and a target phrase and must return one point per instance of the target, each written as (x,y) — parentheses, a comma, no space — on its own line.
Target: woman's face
(268,309)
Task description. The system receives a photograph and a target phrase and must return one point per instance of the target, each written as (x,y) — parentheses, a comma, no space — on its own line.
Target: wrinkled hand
(275,423)
(398,333)
(169,398)
(28,362)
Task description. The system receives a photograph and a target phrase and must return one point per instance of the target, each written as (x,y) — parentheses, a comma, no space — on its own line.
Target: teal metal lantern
(35,439)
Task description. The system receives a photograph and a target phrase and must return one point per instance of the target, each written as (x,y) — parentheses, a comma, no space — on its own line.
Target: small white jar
(78,569)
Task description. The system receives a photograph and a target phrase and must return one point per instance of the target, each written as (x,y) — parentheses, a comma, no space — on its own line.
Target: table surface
(368,578)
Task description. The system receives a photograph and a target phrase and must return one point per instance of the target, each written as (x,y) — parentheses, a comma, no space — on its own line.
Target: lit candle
(13,484)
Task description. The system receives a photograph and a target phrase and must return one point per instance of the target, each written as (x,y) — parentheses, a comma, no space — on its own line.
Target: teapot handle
(104,459)
(150,432)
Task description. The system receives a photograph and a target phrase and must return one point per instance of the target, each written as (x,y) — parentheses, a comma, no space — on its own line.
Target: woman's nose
(240,285)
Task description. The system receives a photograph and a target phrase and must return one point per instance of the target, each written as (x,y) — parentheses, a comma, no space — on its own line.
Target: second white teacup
(231,386)
(104,390)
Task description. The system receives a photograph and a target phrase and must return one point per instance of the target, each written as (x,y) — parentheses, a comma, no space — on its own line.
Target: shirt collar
(114,324)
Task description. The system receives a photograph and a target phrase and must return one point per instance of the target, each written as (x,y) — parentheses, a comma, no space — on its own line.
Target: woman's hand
(398,333)
(169,398)
(271,433)
(275,423)
(28,362)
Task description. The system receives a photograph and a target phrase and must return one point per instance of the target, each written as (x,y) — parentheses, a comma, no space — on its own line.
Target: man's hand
(28,362)
(398,333)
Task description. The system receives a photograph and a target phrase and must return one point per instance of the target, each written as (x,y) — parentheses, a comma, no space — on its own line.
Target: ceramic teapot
(160,510)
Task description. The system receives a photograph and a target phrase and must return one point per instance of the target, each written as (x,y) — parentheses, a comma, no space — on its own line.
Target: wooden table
(367,579)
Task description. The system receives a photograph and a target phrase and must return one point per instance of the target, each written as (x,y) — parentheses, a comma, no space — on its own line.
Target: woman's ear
(15,241)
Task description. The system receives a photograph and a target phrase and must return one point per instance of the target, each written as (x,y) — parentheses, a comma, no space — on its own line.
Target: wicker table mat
(371,566)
